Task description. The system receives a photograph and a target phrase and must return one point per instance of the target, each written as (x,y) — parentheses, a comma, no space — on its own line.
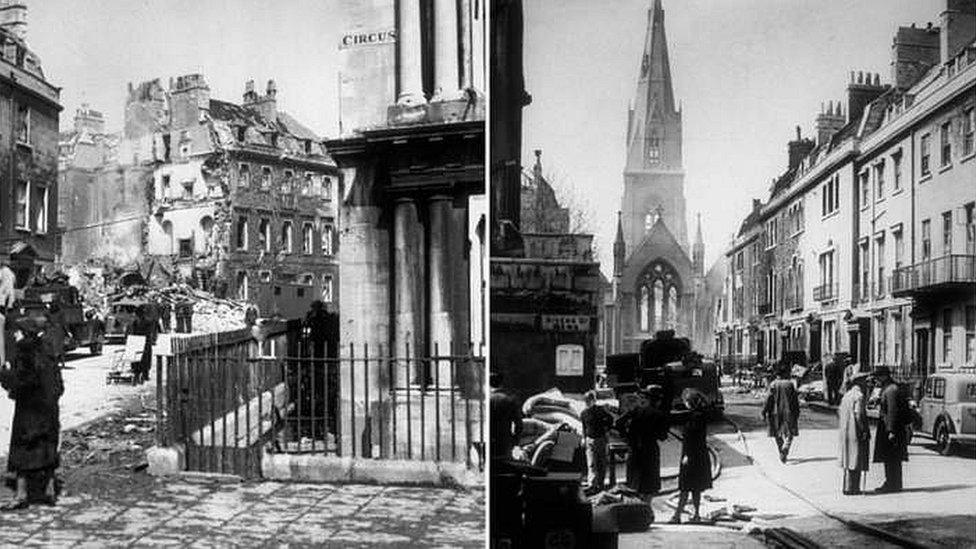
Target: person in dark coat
(782,410)
(146,325)
(695,471)
(317,323)
(506,419)
(596,423)
(643,427)
(33,381)
(891,437)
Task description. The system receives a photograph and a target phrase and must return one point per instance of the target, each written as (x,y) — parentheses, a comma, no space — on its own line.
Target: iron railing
(227,404)
(947,269)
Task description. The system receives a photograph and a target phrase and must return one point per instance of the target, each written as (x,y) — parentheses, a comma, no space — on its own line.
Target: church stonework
(657,274)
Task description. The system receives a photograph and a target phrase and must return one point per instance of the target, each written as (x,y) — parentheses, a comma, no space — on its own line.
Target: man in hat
(855,437)
(782,410)
(890,442)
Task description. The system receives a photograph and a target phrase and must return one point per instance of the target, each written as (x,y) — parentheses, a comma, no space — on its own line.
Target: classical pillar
(409,68)
(408,257)
(446,76)
(440,320)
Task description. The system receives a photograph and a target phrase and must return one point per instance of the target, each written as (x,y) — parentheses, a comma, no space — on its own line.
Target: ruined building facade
(29,112)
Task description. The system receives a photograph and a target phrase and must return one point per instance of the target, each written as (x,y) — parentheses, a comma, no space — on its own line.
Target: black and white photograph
(733,273)
(242,273)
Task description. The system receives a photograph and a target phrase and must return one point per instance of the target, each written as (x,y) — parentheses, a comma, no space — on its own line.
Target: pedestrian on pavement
(855,437)
(782,411)
(695,471)
(506,418)
(596,421)
(33,381)
(8,282)
(643,427)
(144,326)
(890,439)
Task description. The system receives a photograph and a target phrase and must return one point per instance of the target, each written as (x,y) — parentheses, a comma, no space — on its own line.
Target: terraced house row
(866,244)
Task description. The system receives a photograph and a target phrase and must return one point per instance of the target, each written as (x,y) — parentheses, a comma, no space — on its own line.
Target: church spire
(698,251)
(619,249)
(654,104)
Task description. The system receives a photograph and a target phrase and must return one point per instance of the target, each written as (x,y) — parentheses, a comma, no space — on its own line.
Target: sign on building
(565,323)
(569,360)
(361,39)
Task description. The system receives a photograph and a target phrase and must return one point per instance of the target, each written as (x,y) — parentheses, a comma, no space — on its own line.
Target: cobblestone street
(174,512)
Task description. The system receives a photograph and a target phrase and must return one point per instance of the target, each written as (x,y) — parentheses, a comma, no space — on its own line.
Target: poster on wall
(569,360)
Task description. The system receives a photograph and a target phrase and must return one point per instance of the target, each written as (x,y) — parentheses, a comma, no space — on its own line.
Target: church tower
(654,176)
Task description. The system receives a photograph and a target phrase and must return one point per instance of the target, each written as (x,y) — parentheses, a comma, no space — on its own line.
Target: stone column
(408,239)
(440,320)
(446,85)
(409,68)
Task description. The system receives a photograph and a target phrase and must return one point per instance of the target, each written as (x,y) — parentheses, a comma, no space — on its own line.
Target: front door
(922,350)
(814,350)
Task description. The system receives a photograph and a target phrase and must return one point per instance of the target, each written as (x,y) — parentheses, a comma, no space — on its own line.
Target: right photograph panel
(732,273)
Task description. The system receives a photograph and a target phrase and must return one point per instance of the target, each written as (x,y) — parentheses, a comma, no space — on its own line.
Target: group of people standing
(643,427)
(782,410)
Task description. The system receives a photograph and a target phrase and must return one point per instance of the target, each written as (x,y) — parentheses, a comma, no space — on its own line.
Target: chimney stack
(913,52)
(798,149)
(266,105)
(13,17)
(958,27)
(866,89)
(829,121)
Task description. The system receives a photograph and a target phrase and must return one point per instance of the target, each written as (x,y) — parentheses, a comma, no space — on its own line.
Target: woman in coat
(643,427)
(855,437)
(695,472)
(35,385)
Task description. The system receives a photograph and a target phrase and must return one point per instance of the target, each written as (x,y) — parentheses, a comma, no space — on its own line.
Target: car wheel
(942,441)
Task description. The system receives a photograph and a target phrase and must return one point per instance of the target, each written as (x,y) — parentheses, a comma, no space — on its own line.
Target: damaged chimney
(798,149)
(189,95)
(13,17)
(265,105)
(861,91)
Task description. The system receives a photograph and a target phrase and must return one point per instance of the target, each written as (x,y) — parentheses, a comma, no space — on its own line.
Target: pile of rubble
(210,313)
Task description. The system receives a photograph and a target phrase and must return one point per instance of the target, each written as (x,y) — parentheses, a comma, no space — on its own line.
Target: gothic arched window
(644,309)
(658,303)
(672,307)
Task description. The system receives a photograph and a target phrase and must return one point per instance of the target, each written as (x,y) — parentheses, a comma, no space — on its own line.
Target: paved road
(86,395)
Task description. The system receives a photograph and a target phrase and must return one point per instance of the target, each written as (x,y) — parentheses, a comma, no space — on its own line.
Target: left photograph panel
(243,272)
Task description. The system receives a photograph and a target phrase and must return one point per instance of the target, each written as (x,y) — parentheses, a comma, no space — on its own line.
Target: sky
(93,48)
(746,73)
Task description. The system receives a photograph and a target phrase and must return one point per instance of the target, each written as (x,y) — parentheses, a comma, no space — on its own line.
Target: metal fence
(230,402)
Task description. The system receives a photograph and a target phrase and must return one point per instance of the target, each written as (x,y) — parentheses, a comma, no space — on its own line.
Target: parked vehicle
(948,409)
(669,362)
(121,316)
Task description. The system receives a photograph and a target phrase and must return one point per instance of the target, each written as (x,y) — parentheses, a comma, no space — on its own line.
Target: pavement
(193,513)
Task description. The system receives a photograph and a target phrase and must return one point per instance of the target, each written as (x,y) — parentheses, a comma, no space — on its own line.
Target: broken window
(327,288)
(264,234)
(186,247)
(243,175)
(327,236)
(308,146)
(166,147)
(265,177)
(286,237)
(42,205)
(242,233)
(165,186)
(327,188)
(307,239)
(300,292)
(22,205)
(188,189)
(307,184)
(23,124)
(286,184)
(265,276)
(242,289)
(241,133)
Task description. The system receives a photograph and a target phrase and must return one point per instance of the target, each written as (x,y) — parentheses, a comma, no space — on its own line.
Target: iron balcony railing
(932,273)
(825,292)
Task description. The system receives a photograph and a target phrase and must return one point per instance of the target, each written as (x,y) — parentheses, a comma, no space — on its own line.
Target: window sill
(897,191)
(830,214)
(879,200)
(945,168)
(24,144)
(968,157)
(925,177)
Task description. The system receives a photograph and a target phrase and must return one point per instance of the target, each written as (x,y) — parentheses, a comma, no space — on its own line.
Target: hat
(859,377)
(881,371)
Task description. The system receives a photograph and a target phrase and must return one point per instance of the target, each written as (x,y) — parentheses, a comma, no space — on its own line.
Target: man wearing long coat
(891,438)
(782,410)
(643,427)
(855,437)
